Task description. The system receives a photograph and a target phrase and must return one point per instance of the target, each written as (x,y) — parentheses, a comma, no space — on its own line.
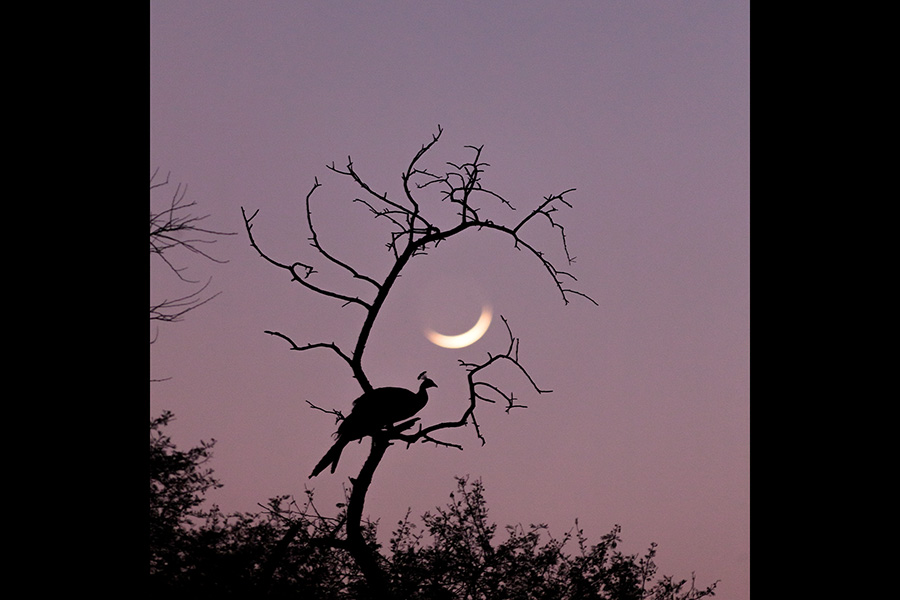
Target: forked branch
(474,371)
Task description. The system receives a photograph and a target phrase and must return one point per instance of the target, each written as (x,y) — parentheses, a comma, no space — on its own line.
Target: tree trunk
(366,557)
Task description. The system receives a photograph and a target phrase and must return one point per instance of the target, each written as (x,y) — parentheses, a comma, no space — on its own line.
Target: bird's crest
(421,376)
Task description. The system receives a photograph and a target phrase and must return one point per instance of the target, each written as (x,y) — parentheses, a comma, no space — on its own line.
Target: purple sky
(641,106)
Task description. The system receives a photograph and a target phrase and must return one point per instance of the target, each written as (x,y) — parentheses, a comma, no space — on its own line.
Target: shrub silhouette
(454,552)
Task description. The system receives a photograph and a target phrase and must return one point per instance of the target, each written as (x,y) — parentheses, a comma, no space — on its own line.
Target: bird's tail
(331,457)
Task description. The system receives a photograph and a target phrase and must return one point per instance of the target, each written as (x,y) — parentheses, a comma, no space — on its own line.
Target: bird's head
(426,383)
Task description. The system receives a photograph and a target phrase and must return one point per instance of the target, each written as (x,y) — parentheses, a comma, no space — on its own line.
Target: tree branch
(172,310)
(292,268)
(331,345)
(472,371)
(169,226)
(172,229)
(314,240)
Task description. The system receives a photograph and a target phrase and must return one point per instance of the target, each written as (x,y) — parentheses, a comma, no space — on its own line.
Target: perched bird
(373,411)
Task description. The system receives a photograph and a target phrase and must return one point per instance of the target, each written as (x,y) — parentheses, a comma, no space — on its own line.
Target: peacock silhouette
(372,412)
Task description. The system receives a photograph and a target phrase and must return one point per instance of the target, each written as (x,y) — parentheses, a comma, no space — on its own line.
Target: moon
(463,339)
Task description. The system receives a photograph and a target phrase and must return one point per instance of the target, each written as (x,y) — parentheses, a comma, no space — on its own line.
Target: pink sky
(642,106)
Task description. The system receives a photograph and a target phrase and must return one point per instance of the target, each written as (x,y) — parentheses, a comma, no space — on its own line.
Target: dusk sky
(641,106)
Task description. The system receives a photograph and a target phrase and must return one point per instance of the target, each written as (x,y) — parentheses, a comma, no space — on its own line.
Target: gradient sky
(643,106)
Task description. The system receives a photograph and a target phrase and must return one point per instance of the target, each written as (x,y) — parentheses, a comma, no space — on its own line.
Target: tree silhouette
(174,227)
(178,483)
(414,231)
(452,552)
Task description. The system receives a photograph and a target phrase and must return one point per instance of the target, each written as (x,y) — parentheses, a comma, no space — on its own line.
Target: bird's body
(372,412)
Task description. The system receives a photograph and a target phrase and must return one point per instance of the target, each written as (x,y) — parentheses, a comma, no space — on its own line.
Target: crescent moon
(464,339)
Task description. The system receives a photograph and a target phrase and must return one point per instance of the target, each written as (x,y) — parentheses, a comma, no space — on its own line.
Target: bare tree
(413,232)
(172,228)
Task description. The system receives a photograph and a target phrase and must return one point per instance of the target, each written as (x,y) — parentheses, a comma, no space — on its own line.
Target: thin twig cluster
(172,228)
(476,394)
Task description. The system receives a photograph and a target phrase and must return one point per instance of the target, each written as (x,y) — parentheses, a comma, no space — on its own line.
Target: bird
(372,412)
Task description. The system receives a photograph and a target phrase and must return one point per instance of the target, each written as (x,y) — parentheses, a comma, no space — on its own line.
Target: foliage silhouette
(288,549)
(178,483)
